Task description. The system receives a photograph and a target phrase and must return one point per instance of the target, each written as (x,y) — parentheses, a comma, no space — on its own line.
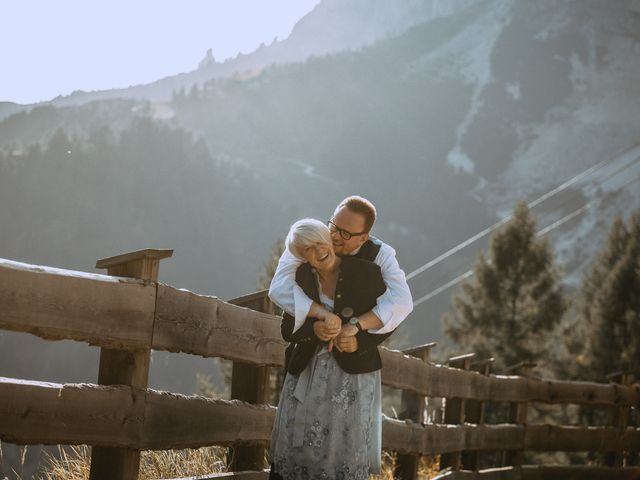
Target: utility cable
(541,232)
(531,204)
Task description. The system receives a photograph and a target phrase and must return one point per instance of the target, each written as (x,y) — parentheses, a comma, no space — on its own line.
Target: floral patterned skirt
(328,423)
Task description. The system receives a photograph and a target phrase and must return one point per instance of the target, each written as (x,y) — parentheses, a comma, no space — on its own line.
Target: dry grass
(427,467)
(72,463)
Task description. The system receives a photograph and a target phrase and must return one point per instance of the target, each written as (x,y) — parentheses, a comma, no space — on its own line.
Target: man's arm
(395,303)
(285,292)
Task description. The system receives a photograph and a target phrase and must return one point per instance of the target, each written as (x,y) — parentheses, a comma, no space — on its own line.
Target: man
(350,226)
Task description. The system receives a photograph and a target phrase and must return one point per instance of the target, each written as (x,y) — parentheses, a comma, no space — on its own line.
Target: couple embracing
(342,293)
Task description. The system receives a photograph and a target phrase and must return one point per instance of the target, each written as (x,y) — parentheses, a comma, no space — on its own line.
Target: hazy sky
(51,48)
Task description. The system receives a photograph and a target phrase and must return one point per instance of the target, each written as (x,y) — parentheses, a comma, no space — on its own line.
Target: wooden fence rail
(119,313)
(120,416)
(540,472)
(126,316)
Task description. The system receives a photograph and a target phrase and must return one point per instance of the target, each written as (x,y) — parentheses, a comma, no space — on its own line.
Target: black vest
(369,249)
(359,285)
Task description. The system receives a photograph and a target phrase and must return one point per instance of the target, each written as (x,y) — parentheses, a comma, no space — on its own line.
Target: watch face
(347,312)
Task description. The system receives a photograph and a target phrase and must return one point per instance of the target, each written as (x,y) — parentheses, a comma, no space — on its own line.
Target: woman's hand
(326,330)
(346,340)
(321,313)
(333,322)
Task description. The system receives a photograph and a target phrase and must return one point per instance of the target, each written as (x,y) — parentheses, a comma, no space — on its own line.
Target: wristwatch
(356,321)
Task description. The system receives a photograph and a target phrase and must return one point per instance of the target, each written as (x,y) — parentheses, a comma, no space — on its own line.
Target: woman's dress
(328,423)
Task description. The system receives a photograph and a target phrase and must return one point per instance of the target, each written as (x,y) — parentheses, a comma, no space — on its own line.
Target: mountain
(8,108)
(467,113)
(443,114)
(332,26)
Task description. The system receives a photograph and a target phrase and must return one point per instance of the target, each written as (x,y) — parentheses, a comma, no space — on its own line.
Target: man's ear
(364,238)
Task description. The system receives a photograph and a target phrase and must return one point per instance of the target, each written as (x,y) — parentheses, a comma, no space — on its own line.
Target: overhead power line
(540,233)
(531,204)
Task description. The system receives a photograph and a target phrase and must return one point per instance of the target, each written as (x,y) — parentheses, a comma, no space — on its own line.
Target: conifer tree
(609,308)
(270,265)
(514,300)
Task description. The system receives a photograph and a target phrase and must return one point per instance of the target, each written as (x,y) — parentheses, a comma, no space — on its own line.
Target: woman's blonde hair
(304,233)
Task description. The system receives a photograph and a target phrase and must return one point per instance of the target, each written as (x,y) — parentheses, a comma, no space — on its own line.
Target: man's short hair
(361,205)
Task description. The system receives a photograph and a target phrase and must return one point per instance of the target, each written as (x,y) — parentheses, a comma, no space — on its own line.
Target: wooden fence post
(474,413)
(619,417)
(454,412)
(119,367)
(250,383)
(412,409)
(518,413)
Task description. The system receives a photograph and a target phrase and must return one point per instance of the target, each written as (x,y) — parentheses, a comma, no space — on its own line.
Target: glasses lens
(333,228)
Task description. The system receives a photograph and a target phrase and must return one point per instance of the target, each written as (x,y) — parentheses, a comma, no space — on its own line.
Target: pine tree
(270,265)
(514,301)
(609,310)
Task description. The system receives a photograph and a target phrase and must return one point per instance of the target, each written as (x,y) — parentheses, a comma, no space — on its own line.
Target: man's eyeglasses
(333,228)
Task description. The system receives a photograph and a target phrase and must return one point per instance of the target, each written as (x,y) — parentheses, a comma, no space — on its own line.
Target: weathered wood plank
(558,391)
(518,414)
(454,412)
(405,372)
(502,473)
(115,416)
(250,383)
(207,326)
(69,414)
(542,472)
(121,367)
(578,472)
(250,298)
(118,313)
(408,437)
(129,257)
(474,413)
(178,421)
(57,304)
(580,439)
(412,408)
(47,413)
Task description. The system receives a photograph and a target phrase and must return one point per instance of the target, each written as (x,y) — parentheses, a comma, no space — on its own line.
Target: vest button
(338,296)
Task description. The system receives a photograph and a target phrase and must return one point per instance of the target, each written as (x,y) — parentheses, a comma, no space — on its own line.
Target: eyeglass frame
(342,231)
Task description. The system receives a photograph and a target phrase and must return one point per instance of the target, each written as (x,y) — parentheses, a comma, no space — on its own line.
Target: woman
(328,423)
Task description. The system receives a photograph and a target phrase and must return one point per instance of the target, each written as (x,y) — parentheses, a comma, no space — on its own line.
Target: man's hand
(345,344)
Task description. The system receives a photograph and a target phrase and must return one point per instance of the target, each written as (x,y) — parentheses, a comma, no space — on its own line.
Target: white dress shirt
(392,306)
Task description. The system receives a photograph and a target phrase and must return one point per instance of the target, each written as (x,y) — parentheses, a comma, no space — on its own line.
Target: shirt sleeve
(285,292)
(302,306)
(396,303)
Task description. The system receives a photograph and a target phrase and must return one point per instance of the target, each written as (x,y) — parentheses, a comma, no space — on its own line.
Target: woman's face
(320,255)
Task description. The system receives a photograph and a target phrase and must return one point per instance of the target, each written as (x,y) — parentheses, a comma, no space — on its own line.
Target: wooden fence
(128,313)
